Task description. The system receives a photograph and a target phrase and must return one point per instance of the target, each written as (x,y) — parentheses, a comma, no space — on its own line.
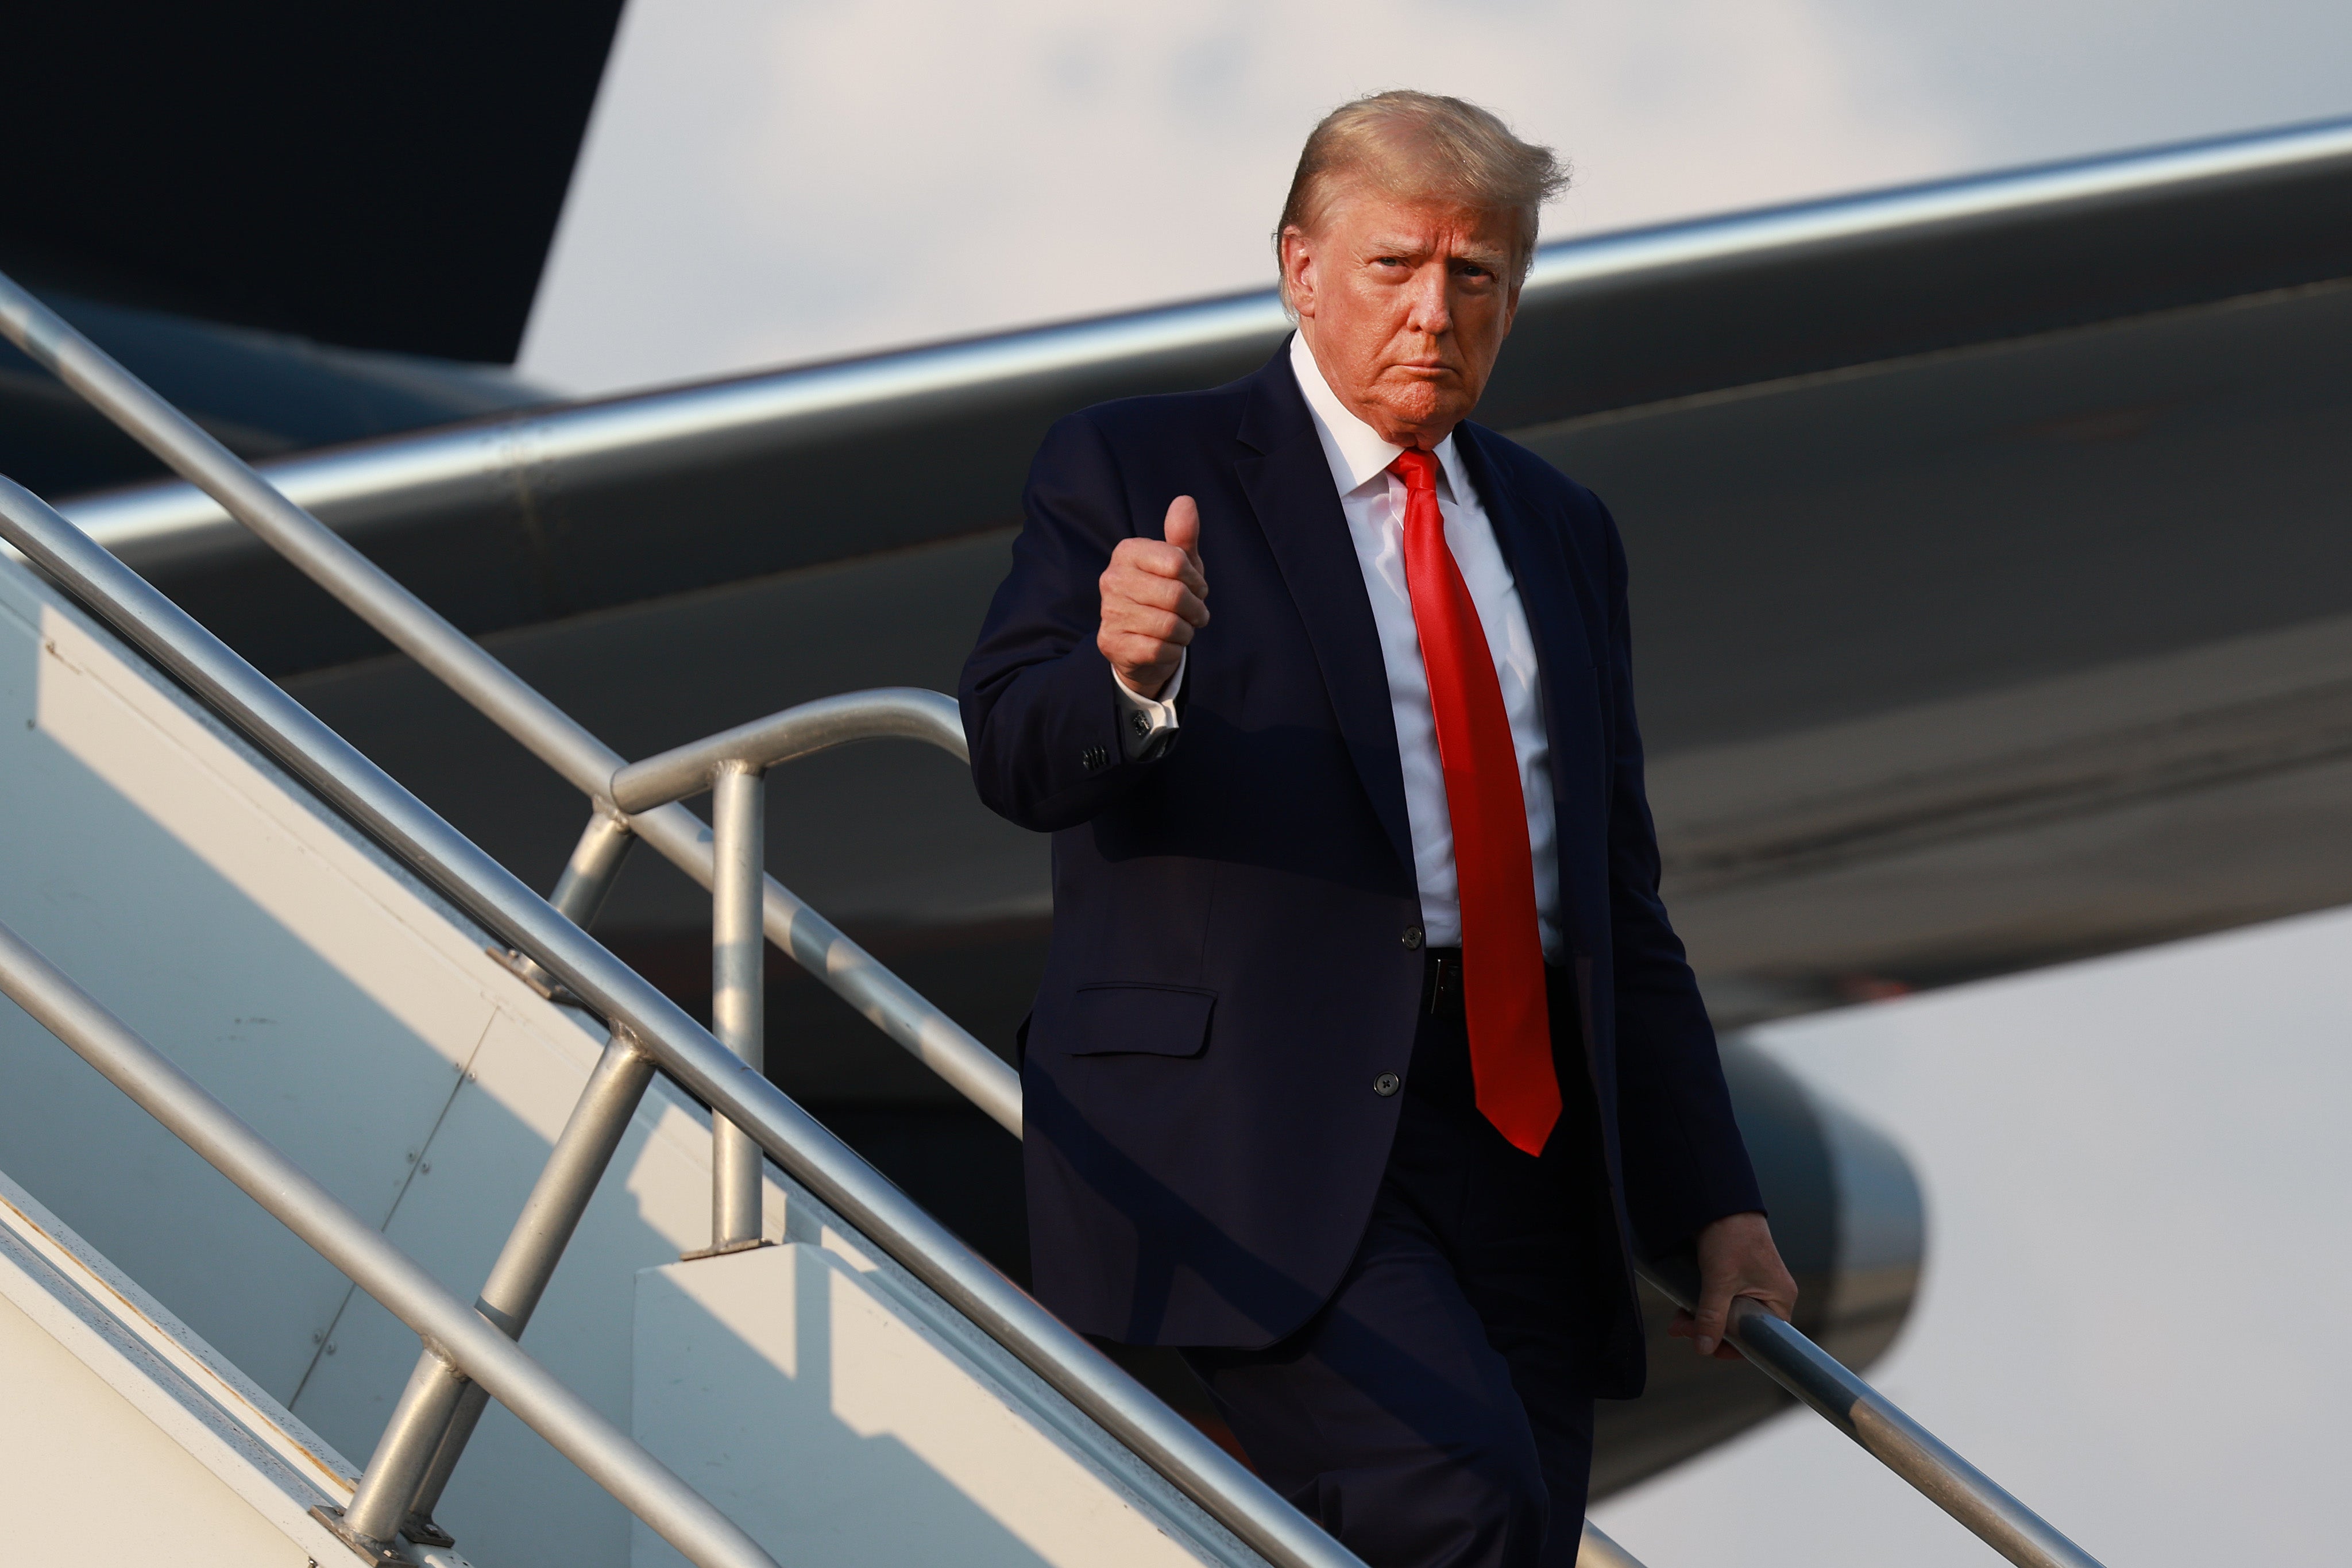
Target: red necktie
(1502,955)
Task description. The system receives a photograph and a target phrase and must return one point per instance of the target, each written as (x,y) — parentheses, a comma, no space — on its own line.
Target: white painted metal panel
(833,1427)
(471,1182)
(252,940)
(356,1021)
(127,1439)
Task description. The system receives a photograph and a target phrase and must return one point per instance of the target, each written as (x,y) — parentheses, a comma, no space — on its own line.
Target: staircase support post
(737,991)
(436,1412)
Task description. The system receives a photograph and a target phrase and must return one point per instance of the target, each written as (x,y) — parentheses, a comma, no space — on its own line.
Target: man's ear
(1298,270)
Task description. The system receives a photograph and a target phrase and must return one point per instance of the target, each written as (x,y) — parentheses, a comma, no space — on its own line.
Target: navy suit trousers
(1438,1409)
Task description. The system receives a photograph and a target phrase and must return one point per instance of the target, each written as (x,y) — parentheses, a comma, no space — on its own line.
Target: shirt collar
(1354,449)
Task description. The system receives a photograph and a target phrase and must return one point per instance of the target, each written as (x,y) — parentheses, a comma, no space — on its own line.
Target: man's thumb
(1183,527)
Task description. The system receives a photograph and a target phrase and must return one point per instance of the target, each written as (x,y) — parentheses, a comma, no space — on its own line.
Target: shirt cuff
(1149,725)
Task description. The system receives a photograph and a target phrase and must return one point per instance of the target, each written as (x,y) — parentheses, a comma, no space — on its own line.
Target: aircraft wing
(1989,537)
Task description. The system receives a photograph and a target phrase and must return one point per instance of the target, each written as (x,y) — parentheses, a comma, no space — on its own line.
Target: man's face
(1404,305)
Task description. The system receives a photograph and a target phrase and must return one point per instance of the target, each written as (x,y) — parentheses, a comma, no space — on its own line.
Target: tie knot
(1417,469)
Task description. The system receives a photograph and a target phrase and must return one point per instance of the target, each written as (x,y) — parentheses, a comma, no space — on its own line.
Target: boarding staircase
(343,1057)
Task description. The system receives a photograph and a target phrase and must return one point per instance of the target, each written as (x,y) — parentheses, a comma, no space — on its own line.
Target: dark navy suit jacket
(1230,969)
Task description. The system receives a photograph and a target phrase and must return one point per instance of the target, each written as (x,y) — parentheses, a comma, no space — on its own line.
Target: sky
(774,181)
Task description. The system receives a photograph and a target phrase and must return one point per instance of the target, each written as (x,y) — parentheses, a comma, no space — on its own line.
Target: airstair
(344,1059)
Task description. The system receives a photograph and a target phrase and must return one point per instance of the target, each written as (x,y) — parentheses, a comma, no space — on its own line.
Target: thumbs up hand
(1151,602)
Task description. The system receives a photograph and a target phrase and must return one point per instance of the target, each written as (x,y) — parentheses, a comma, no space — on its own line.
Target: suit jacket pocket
(1140,1020)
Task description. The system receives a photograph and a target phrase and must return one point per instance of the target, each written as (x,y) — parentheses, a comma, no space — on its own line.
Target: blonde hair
(1418,145)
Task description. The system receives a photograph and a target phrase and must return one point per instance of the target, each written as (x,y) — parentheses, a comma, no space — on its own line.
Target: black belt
(1441,982)
(1441,1072)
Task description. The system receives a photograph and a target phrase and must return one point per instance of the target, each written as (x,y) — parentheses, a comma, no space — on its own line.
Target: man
(1365,1059)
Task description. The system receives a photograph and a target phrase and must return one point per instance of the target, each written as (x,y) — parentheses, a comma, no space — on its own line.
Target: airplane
(1937,648)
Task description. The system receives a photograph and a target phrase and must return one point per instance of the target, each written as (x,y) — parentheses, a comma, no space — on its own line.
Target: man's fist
(1151,602)
(1736,1257)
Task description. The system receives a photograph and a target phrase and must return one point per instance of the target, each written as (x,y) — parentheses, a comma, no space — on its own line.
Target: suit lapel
(1289,483)
(1548,593)
(1539,565)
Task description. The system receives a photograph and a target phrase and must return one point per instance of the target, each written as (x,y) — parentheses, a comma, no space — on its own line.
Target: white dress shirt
(1372,500)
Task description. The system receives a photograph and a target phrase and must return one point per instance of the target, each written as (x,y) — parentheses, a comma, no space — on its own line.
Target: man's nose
(1433,304)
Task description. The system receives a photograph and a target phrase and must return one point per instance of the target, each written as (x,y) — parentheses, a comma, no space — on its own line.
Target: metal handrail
(433,1419)
(1782,1352)
(371,799)
(731,765)
(433,1422)
(684,771)
(475,1342)
(736,1093)
(641,1483)
(494,690)
(362,793)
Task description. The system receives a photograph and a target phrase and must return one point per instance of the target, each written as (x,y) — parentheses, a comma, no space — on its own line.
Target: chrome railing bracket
(521,966)
(723,1249)
(367,1548)
(421,1528)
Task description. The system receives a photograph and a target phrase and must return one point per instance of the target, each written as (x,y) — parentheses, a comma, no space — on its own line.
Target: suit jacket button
(1413,939)
(1387,1084)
